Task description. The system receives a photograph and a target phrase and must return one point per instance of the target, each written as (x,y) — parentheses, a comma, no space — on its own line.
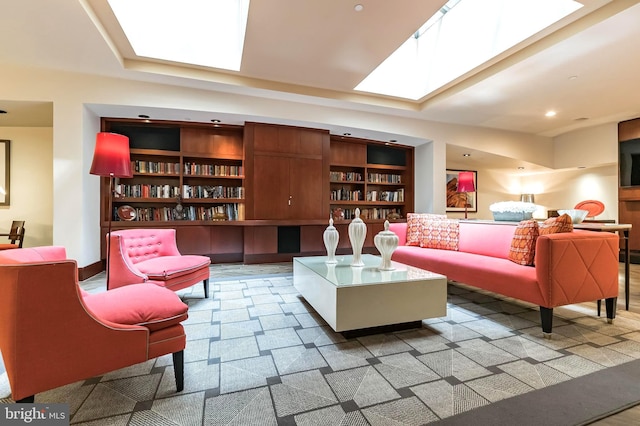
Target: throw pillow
(523,244)
(415,223)
(555,225)
(440,234)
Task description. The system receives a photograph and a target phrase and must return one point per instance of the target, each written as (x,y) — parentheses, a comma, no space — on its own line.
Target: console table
(613,227)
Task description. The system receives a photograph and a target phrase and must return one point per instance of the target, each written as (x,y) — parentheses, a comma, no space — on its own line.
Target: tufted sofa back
(144,244)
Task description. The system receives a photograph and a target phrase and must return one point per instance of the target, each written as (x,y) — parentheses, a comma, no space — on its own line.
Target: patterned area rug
(258,354)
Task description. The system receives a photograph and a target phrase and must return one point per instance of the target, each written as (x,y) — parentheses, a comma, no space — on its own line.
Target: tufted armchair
(52,333)
(151,255)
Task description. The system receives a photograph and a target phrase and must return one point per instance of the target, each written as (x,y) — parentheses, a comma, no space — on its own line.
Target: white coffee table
(360,298)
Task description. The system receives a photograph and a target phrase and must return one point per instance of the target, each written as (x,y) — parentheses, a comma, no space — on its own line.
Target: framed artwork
(5,171)
(456,201)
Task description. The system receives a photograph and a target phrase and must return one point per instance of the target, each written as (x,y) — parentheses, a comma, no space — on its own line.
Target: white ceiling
(322,49)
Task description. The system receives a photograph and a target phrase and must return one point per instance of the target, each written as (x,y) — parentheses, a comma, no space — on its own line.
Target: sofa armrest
(400,229)
(577,267)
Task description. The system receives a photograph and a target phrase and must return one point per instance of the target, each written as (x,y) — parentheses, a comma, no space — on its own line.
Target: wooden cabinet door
(271,187)
(305,183)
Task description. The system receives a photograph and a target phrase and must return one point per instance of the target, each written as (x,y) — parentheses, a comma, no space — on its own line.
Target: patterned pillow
(555,225)
(415,223)
(441,234)
(523,245)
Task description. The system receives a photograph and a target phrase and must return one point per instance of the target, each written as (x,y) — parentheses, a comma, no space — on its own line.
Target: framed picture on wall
(456,201)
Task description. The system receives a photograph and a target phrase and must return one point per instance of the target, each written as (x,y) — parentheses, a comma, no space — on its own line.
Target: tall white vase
(357,234)
(386,242)
(331,237)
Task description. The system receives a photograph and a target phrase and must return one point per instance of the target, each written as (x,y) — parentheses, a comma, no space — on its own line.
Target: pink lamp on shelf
(466,184)
(111,159)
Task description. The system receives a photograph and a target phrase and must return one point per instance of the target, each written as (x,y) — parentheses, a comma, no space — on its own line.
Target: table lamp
(466,185)
(111,159)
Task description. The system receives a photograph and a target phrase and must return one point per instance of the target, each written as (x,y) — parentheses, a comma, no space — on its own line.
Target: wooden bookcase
(258,192)
(372,176)
(200,166)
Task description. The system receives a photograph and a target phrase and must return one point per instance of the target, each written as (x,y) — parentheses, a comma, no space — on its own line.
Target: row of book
(383,178)
(155,167)
(373,213)
(345,176)
(392,196)
(228,211)
(345,194)
(147,191)
(199,191)
(212,169)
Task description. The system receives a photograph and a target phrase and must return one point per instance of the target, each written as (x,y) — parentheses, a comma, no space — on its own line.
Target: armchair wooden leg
(206,288)
(27,400)
(178,368)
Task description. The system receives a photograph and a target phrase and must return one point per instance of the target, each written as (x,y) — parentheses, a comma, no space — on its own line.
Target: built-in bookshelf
(257,192)
(371,176)
(181,172)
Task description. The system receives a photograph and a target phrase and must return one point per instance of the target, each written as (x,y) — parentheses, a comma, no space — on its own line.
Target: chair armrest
(576,267)
(45,297)
(122,271)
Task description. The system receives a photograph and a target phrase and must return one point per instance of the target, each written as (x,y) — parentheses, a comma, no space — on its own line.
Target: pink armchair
(151,255)
(52,333)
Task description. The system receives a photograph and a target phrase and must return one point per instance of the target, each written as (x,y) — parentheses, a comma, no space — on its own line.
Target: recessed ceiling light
(550,114)
(215,120)
(573,77)
(358,7)
(2,111)
(580,119)
(143,116)
(582,167)
(466,155)
(393,140)
(520,168)
(347,134)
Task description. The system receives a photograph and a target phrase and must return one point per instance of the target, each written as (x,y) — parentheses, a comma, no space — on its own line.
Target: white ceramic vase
(331,237)
(357,234)
(386,242)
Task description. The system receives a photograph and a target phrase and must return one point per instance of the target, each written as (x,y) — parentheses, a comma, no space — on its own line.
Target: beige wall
(31,183)
(75,203)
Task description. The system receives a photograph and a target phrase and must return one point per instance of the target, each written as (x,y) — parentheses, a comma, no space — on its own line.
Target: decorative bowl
(577,215)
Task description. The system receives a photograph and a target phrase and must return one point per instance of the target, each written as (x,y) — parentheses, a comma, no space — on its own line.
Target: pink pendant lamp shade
(111,156)
(465,182)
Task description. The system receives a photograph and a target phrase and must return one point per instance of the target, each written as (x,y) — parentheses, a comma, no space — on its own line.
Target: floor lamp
(466,185)
(111,159)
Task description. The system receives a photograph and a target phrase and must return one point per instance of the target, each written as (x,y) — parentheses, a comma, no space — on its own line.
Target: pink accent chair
(151,255)
(53,333)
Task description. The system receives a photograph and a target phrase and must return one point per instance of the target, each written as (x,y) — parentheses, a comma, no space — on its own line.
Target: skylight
(462,35)
(199,32)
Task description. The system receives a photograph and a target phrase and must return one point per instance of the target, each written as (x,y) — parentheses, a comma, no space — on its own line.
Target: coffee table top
(342,274)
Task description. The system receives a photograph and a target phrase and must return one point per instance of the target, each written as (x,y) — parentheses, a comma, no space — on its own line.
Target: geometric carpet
(257,353)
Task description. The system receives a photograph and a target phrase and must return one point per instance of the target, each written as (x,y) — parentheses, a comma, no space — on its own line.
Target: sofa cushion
(523,244)
(415,223)
(489,239)
(168,267)
(440,234)
(146,305)
(555,225)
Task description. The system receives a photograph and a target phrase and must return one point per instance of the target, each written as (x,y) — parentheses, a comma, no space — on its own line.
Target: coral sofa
(53,333)
(570,267)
